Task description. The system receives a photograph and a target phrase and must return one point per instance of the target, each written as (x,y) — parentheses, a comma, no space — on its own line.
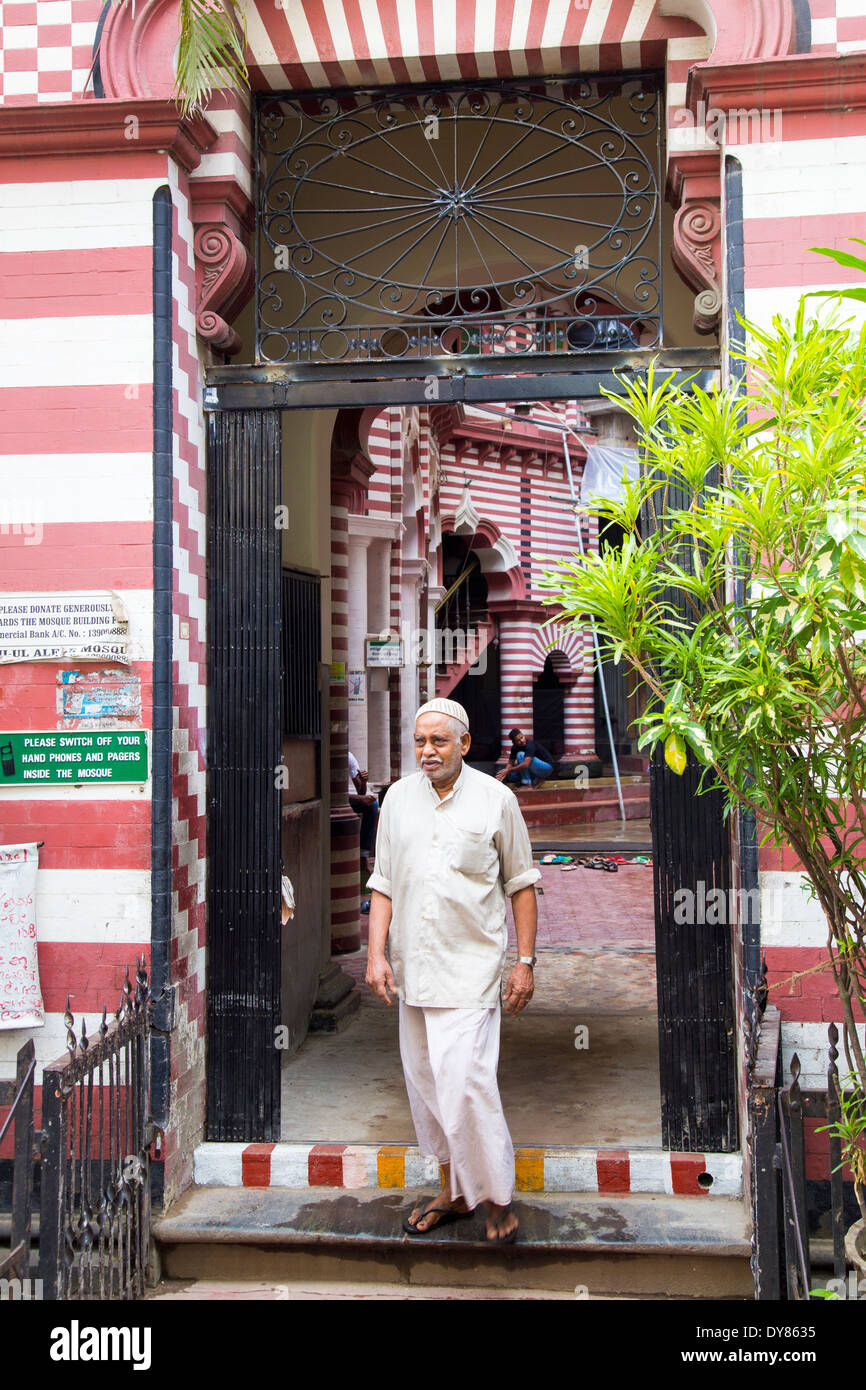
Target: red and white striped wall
(802,186)
(76,440)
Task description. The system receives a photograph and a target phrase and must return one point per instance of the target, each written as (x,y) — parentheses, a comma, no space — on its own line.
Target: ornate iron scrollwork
(459,220)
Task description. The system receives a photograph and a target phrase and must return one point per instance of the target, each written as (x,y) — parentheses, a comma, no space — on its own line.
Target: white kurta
(447,865)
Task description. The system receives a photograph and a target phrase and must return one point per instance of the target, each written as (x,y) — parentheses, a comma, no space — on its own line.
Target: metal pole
(595,643)
(564,430)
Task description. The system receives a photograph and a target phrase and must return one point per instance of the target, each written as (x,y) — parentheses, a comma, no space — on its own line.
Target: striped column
(350,474)
(518,619)
(395,684)
(345,826)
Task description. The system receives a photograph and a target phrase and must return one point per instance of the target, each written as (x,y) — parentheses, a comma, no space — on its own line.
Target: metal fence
(18,1095)
(778,1110)
(94,1233)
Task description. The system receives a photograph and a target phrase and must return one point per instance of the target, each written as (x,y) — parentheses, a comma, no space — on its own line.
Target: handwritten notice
(21,1003)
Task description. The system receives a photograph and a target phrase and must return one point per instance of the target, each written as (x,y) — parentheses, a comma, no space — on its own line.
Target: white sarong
(449,1061)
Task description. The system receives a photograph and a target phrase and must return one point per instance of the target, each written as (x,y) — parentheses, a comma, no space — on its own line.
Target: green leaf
(210,52)
(843,257)
(675,754)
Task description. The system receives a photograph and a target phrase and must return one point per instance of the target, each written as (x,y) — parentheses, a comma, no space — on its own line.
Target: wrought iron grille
(300,651)
(454,221)
(95,1202)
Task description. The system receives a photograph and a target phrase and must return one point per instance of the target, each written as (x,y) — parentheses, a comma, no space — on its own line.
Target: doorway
(386,338)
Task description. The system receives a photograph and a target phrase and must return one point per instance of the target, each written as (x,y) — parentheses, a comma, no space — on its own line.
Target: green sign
(77,758)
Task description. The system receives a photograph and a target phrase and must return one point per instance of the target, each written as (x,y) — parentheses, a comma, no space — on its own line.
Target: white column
(358,627)
(414,570)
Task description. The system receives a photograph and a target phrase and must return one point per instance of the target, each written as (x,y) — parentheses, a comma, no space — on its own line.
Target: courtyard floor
(578,1067)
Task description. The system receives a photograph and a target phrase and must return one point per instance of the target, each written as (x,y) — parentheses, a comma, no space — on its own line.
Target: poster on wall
(21,1003)
(357,687)
(92,626)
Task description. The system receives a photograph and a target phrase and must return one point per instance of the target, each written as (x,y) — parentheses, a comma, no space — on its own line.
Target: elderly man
(452,844)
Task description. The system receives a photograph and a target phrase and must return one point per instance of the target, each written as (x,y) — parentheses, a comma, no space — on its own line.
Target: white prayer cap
(449,707)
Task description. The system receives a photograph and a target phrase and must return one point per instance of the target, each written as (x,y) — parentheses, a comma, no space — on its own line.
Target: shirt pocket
(472,851)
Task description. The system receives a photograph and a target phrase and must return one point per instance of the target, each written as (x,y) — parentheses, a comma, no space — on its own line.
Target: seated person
(364,804)
(528,762)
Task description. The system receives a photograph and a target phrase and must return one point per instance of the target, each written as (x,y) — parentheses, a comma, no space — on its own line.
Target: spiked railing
(97,1136)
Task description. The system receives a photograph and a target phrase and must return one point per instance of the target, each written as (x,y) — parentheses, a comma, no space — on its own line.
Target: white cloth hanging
(288,894)
(604,470)
(21,1003)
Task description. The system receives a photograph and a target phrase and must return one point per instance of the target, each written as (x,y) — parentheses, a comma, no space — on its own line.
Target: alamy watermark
(706,905)
(741,125)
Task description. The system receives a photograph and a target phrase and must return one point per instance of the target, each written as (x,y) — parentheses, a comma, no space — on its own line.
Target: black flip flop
(446,1214)
(502,1240)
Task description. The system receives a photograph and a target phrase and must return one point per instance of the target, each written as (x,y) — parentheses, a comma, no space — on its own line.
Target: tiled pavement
(598,928)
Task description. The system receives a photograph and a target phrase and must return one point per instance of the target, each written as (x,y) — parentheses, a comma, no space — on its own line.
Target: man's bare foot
(419,1216)
(501,1221)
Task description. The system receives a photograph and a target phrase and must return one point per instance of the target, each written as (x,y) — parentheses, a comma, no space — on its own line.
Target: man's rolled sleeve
(515,849)
(380,878)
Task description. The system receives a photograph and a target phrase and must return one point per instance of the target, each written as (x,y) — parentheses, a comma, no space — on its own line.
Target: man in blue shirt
(529,762)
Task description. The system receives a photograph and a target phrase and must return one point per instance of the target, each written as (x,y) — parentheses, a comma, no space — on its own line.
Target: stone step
(550,794)
(584,813)
(583,1244)
(630,779)
(336,1291)
(544,1169)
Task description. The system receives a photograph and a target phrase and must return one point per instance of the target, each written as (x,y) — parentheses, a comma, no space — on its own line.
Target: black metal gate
(692,880)
(244,718)
(697,1034)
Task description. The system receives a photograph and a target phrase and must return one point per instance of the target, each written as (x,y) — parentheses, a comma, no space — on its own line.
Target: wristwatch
(527,960)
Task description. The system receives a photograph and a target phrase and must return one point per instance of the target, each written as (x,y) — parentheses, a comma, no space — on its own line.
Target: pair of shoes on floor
(599,863)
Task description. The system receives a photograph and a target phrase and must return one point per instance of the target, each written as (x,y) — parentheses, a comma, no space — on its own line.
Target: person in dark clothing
(365,805)
(529,762)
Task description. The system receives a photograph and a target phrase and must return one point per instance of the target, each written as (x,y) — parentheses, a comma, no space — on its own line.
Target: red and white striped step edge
(401,1165)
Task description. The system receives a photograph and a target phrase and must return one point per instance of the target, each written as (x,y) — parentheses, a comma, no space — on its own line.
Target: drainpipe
(748,832)
(160,892)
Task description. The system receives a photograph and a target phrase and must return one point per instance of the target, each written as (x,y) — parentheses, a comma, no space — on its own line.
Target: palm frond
(211,52)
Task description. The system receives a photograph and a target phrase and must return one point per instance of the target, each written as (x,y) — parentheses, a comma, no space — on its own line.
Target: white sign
(20,994)
(384,653)
(56,626)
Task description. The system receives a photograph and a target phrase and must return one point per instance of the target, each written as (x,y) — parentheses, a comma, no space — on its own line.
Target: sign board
(99,695)
(387,651)
(55,626)
(357,686)
(75,758)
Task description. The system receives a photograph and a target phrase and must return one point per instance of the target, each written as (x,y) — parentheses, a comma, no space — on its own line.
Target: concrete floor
(627,836)
(596,971)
